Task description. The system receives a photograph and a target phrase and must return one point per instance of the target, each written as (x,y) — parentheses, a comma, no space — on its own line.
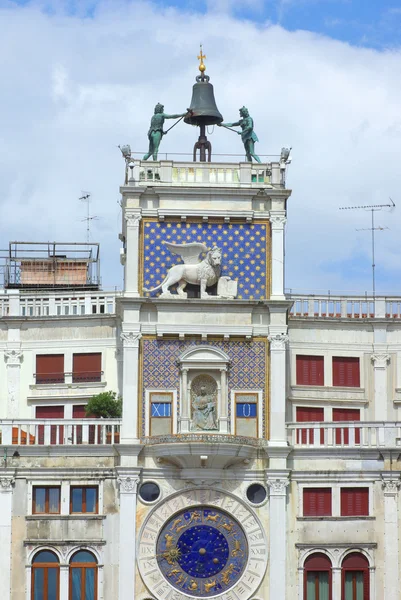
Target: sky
(80,77)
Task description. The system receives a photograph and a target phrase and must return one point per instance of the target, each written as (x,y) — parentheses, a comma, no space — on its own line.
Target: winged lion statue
(203,273)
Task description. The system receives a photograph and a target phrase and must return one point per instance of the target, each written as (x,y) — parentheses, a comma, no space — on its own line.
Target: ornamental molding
(391,486)
(278,341)
(13,357)
(128,485)
(278,486)
(161,586)
(133,220)
(130,338)
(278,221)
(6,484)
(380,360)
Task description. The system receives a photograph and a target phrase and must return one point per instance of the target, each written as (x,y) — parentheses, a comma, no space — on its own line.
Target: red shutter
(317,502)
(346,371)
(354,502)
(310,370)
(87,367)
(50,368)
(56,432)
(346,414)
(305,415)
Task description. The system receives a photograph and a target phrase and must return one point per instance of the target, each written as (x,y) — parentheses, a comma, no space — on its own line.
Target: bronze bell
(203,105)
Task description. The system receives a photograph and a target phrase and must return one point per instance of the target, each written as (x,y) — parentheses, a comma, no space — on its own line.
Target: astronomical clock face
(201,544)
(202,551)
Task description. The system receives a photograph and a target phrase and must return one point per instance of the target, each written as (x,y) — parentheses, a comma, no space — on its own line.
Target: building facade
(258,454)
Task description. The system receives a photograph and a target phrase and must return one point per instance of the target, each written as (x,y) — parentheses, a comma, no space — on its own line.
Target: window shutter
(87,367)
(310,370)
(305,414)
(50,368)
(346,372)
(317,502)
(354,502)
(347,414)
(56,432)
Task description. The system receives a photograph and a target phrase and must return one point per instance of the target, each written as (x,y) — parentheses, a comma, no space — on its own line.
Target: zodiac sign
(175,524)
(228,526)
(210,585)
(193,585)
(174,572)
(227,573)
(180,579)
(172,555)
(194,516)
(181,528)
(169,541)
(237,548)
(212,518)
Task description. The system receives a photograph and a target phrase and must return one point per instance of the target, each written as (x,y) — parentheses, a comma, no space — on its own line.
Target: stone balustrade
(344,307)
(361,434)
(57,432)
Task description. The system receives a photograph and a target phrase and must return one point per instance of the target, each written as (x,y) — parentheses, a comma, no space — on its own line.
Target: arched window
(355,577)
(45,576)
(317,578)
(83,576)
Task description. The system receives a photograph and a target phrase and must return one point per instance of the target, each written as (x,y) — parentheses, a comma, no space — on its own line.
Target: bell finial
(202,66)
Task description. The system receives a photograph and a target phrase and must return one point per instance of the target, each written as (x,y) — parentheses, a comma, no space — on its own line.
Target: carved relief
(133,220)
(6,484)
(128,485)
(278,341)
(278,486)
(278,221)
(204,403)
(130,338)
(380,360)
(13,357)
(391,486)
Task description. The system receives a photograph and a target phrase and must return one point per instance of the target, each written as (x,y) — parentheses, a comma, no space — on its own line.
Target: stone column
(223,401)
(277,255)
(380,360)
(6,498)
(130,427)
(131,283)
(278,343)
(127,562)
(64,581)
(336,582)
(13,358)
(391,543)
(184,409)
(278,537)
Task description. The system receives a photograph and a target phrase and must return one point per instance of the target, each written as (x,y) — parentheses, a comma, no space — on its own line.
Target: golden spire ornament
(202,66)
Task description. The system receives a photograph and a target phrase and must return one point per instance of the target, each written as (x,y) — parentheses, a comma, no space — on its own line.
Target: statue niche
(204,403)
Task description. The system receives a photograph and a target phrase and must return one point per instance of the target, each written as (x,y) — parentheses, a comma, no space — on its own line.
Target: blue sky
(323,76)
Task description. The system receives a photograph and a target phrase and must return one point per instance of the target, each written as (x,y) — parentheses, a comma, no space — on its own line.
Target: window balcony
(345,434)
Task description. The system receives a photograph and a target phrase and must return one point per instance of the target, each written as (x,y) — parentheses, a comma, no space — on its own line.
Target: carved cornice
(13,357)
(128,485)
(278,486)
(133,220)
(278,221)
(380,360)
(278,341)
(391,486)
(131,338)
(6,484)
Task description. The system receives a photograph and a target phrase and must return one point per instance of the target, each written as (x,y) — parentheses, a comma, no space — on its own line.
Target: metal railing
(68,377)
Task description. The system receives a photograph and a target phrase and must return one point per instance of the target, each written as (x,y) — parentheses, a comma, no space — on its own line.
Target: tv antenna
(86,197)
(373,208)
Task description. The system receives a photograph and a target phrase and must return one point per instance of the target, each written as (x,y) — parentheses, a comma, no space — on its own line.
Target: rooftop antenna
(86,197)
(372,208)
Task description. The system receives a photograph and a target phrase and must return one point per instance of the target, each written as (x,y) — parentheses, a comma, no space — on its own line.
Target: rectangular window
(84,499)
(317,502)
(50,434)
(346,371)
(87,367)
(246,414)
(306,414)
(354,502)
(46,500)
(161,422)
(342,433)
(49,368)
(310,370)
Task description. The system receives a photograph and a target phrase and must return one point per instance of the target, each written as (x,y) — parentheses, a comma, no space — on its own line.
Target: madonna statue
(204,411)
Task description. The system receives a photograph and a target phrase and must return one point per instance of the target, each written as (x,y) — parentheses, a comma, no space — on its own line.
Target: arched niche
(210,364)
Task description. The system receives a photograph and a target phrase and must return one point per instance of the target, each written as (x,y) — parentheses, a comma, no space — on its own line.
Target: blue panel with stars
(244,247)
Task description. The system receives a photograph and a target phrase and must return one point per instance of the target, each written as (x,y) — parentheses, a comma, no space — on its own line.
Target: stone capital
(278,221)
(6,484)
(391,486)
(131,339)
(380,360)
(278,341)
(13,356)
(133,219)
(128,485)
(278,485)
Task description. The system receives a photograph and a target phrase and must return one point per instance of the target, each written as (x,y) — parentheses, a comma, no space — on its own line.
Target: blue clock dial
(202,551)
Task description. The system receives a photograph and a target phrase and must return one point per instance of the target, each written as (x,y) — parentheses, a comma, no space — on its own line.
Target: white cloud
(75,88)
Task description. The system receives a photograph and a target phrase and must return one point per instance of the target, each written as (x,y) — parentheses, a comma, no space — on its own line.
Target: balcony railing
(55,432)
(345,307)
(349,434)
(84,377)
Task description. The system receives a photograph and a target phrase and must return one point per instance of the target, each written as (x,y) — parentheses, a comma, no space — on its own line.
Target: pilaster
(6,497)
(380,361)
(278,342)
(131,341)
(131,286)
(128,482)
(277,484)
(391,488)
(13,358)
(277,221)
